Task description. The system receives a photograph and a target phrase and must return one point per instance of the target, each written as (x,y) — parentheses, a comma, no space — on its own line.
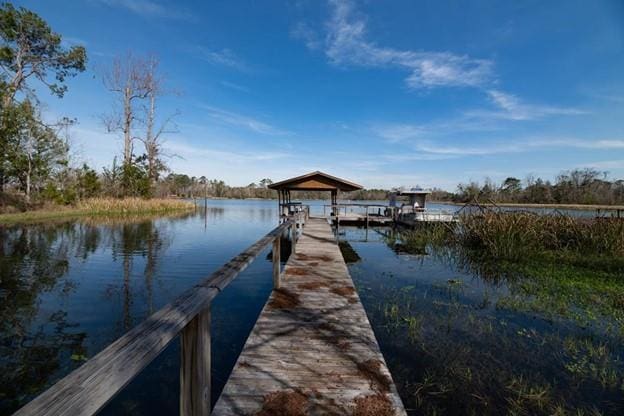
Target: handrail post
(195,366)
(293,238)
(276,262)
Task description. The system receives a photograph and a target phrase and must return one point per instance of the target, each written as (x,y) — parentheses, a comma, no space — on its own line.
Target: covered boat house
(314,181)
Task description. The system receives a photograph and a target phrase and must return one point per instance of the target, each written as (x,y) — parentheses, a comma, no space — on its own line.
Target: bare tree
(153,140)
(129,80)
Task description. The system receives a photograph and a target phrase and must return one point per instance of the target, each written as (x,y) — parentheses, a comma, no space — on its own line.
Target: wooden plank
(195,366)
(276,262)
(88,388)
(312,342)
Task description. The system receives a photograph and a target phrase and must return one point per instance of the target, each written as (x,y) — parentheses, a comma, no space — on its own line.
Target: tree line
(578,186)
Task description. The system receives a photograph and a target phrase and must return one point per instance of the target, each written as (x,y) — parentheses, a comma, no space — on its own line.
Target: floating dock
(312,350)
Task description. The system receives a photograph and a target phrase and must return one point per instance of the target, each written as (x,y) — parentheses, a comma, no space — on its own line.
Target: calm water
(68,289)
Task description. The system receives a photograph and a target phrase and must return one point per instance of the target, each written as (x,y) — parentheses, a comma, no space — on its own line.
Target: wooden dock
(312,350)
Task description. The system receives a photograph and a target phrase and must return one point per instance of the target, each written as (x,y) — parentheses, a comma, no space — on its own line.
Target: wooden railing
(90,387)
(336,208)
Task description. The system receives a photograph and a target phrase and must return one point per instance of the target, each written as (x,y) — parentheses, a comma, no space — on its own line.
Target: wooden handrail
(90,387)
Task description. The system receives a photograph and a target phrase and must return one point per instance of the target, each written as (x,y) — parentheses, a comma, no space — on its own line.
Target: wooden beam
(276,262)
(195,366)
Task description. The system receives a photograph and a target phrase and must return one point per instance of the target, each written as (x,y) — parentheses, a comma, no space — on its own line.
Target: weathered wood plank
(276,263)
(312,341)
(195,366)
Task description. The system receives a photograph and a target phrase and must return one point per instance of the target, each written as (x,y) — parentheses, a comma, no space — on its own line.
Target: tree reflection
(129,242)
(39,343)
(33,260)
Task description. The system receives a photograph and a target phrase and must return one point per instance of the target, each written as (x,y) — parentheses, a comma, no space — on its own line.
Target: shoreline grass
(98,207)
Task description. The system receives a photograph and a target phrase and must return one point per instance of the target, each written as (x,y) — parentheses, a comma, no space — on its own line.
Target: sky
(383,93)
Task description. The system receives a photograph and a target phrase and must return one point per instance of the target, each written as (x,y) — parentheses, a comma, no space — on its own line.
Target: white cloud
(512,108)
(346,44)
(239,120)
(305,33)
(515,145)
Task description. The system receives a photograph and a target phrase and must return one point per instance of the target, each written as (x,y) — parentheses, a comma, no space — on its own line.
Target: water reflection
(35,285)
(34,340)
(70,288)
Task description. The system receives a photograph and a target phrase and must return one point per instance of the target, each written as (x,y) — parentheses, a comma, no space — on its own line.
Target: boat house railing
(90,387)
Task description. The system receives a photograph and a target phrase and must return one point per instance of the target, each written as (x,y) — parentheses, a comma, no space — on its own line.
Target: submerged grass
(98,207)
(546,338)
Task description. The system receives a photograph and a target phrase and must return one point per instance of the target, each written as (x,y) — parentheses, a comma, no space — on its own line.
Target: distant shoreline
(580,207)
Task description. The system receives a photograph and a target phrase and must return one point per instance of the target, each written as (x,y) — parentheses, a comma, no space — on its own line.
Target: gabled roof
(315,181)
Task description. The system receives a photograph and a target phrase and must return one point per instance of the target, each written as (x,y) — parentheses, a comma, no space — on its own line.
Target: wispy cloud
(240,120)
(346,44)
(510,107)
(223,57)
(407,156)
(185,151)
(234,86)
(515,145)
(151,8)
(309,36)
(399,132)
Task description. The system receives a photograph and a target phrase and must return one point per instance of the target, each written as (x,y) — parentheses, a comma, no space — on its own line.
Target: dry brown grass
(296,271)
(344,291)
(99,207)
(371,369)
(373,405)
(132,205)
(304,257)
(312,285)
(284,299)
(284,403)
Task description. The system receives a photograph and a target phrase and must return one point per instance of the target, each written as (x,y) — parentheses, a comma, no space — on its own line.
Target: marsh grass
(545,335)
(425,235)
(517,235)
(98,207)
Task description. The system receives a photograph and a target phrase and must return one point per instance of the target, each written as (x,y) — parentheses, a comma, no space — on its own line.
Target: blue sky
(385,93)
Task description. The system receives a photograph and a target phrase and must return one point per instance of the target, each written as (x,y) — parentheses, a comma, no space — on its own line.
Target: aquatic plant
(424,235)
(518,235)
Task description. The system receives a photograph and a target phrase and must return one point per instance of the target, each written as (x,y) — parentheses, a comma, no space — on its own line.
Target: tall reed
(130,205)
(513,235)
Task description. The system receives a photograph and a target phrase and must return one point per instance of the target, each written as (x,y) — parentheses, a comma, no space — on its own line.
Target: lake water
(69,288)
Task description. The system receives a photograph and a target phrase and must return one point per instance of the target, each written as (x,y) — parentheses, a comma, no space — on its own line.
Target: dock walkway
(312,350)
